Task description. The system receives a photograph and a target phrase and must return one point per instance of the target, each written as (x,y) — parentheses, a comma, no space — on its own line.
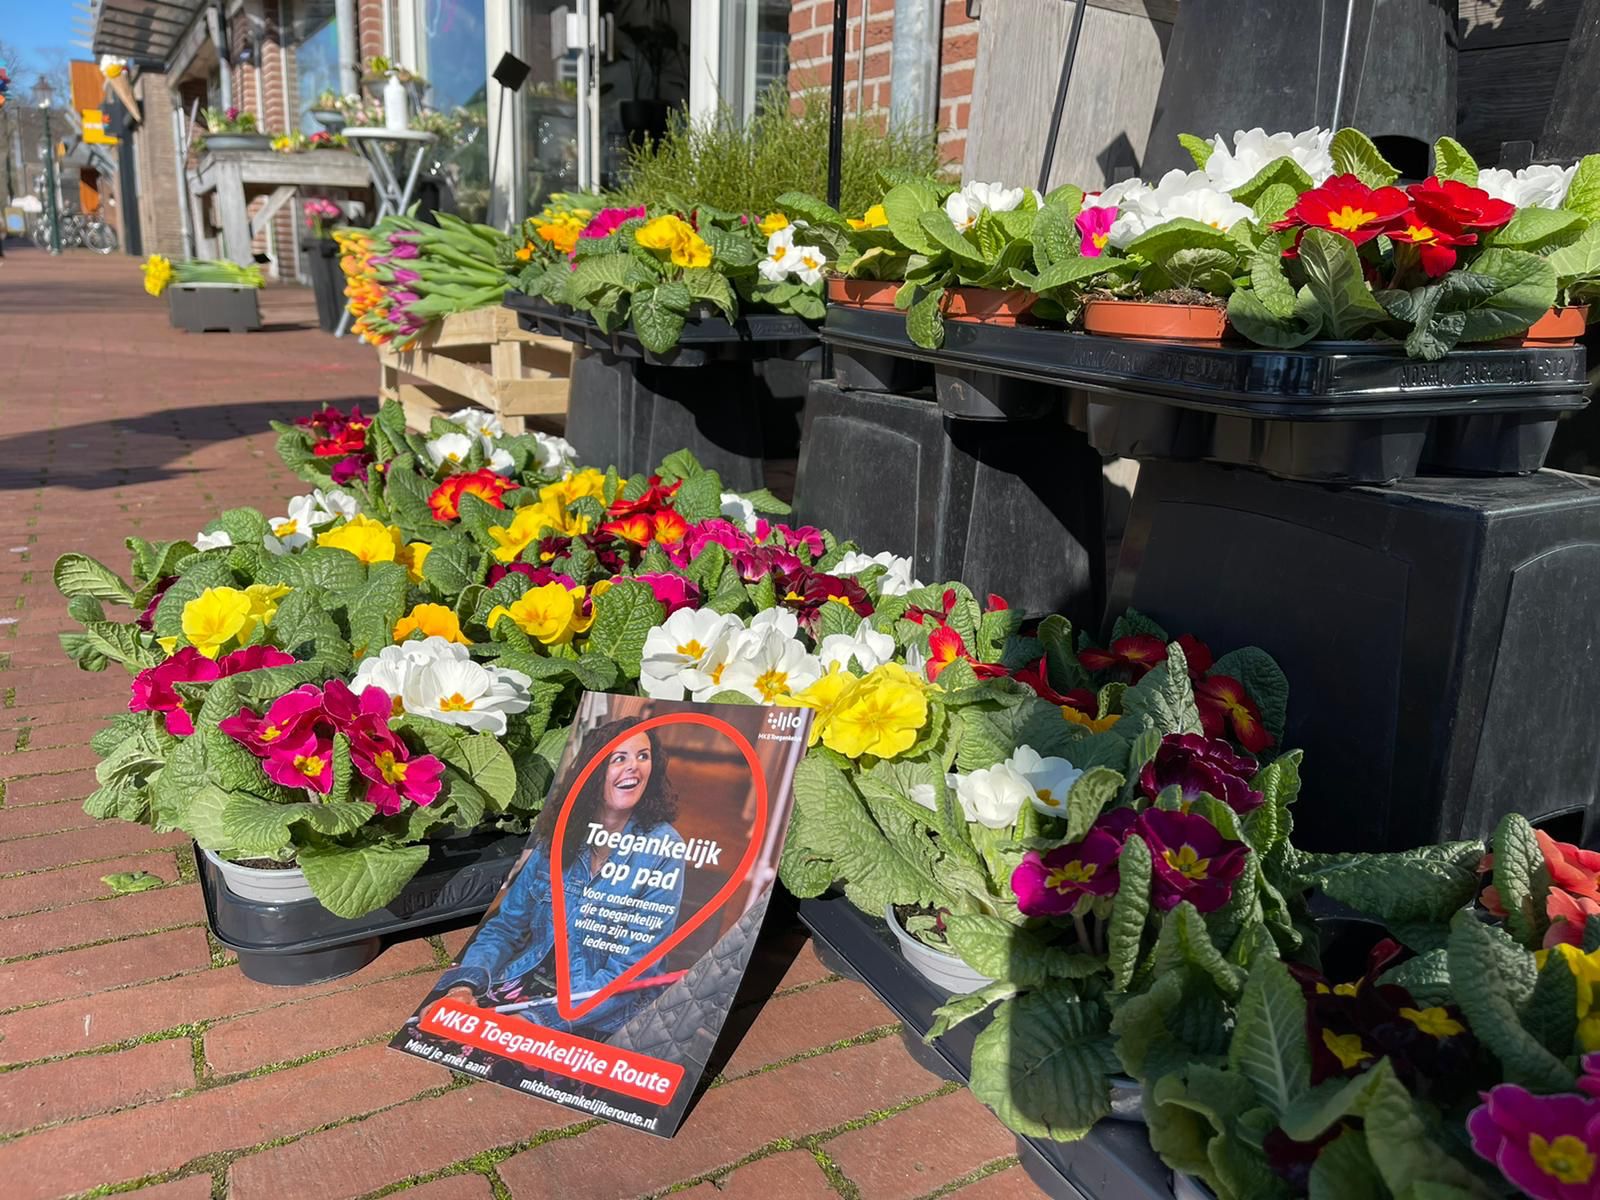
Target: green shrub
(745,167)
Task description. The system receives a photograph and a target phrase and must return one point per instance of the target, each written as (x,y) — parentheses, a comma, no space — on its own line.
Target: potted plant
(326,110)
(232,129)
(205,294)
(322,260)
(401,93)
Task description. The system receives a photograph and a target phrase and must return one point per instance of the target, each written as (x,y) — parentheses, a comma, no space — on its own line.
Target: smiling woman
(627,801)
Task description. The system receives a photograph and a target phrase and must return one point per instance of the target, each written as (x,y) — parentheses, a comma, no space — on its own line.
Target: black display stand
(1439,636)
(1010,506)
(320,259)
(1113,1162)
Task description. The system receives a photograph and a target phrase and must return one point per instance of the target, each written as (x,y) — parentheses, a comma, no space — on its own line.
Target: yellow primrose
(677,239)
(412,555)
(369,540)
(873,218)
(169,645)
(771,223)
(215,617)
(1585,969)
(574,487)
(659,233)
(1435,1022)
(880,715)
(264,599)
(528,525)
(1346,1047)
(430,620)
(544,613)
(823,697)
(1092,724)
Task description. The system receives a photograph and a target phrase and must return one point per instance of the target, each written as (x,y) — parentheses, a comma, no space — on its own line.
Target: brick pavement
(134,1056)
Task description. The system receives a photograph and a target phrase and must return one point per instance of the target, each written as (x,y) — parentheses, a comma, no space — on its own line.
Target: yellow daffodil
(412,555)
(263,599)
(873,218)
(431,620)
(215,617)
(771,223)
(880,714)
(370,541)
(157,274)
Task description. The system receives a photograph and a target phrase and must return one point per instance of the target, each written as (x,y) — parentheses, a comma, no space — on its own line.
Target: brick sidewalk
(134,1056)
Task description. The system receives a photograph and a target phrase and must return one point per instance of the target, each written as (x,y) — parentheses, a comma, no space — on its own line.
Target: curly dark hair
(658,805)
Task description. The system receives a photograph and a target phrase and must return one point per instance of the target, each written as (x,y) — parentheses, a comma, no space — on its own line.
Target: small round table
(381,148)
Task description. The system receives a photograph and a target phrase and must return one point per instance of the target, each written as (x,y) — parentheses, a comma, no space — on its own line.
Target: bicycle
(76,229)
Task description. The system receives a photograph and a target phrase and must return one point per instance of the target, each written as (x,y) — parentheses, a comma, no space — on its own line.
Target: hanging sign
(606,966)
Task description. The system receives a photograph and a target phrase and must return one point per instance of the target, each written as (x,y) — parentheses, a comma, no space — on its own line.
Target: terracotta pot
(1558,327)
(1195,324)
(989,306)
(876,294)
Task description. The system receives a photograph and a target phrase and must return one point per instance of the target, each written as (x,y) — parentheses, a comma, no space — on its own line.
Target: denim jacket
(520,937)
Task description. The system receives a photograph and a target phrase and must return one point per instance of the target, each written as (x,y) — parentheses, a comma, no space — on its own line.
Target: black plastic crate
(1009,506)
(1346,412)
(1438,636)
(1113,1162)
(302,942)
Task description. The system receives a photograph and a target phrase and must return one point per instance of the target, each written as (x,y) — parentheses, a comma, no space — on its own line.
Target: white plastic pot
(267,887)
(936,966)
(1187,1187)
(396,112)
(1127,1099)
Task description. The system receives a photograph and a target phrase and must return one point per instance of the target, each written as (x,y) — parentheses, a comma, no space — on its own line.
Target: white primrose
(213,541)
(500,462)
(480,422)
(807,262)
(766,665)
(553,455)
(391,668)
(333,504)
(451,448)
(896,580)
(459,691)
(974,199)
(775,268)
(869,648)
(295,530)
(677,652)
(739,510)
(1541,185)
(1233,166)
(1049,777)
(992,796)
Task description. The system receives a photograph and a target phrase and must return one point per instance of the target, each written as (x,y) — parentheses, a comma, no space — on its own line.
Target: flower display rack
(1343,412)
(478,358)
(630,405)
(301,942)
(1114,1162)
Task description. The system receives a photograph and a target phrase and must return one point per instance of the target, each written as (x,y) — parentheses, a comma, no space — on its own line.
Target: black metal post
(841,15)
(50,184)
(1078,8)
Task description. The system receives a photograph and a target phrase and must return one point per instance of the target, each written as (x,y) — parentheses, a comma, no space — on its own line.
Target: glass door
(555,41)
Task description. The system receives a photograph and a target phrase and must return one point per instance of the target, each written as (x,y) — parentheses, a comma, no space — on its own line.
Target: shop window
(313,32)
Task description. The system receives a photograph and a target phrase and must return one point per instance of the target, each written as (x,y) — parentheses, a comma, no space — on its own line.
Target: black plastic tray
(1114,1162)
(1352,412)
(705,339)
(302,942)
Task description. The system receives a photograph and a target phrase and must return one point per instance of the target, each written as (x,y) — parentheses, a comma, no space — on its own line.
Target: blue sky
(38,30)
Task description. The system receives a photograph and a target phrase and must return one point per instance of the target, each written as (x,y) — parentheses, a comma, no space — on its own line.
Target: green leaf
(658,314)
(1525,289)
(1203,270)
(1538,230)
(1158,245)
(1517,863)
(1001,951)
(255,827)
(943,233)
(1042,1064)
(904,205)
(799,204)
(1579,259)
(1492,976)
(1551,1013)
(1129,911)
(80,575)
(963,1008)
(453,564)
(1185,939)
(1251,317)
(1199,149)
(483,762)
(1344,1170)
(925,321)
(1090,793)
(1403,1147)
(1055,238)
(700,497)
(1427,884)
(1282,172)
(706,284)
(1279,784)
(1583,194)
(1337,285)
(122,643)
(1164,697)
(125,883)
(1271,204)
(1269,1040)
(1452,160)
(1268,282)
(375,610)
(876,870)
(624,616)
(1355,154)
(1072,270)
(352,881)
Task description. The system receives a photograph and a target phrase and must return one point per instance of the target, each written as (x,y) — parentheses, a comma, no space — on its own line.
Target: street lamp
(43,93)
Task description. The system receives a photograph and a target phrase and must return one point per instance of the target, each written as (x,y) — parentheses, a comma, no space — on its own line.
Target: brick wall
(868,81)
(370,16)
(160,221)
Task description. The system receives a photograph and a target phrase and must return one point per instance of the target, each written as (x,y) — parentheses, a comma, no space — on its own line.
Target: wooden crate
(478,358)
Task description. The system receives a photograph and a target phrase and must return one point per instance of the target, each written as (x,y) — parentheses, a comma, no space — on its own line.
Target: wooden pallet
(479,358)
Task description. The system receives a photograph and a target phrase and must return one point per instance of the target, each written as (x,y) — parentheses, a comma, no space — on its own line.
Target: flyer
(604,970)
